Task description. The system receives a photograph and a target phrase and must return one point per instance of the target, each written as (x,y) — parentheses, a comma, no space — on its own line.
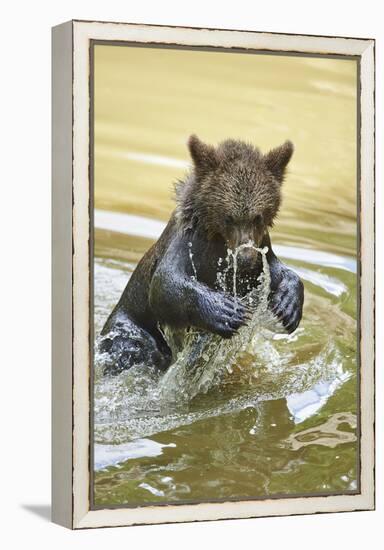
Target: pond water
(279,417)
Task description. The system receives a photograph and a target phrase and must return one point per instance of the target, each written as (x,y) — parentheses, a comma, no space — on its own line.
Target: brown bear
(230,198)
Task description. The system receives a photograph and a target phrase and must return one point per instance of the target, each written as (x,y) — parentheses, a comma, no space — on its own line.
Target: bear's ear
(204,156)
(277,159)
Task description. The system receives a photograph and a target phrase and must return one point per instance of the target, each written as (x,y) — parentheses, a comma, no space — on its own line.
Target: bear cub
(230,198)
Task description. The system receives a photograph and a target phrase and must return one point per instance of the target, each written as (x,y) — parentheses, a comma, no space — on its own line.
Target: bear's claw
(286,303)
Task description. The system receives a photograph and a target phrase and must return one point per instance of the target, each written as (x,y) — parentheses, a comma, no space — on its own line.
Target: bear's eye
(258,219)
(229,220)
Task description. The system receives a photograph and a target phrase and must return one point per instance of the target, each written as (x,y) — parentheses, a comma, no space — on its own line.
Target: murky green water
(282,419)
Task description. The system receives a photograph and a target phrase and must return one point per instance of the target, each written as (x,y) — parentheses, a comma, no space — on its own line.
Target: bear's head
(233,192)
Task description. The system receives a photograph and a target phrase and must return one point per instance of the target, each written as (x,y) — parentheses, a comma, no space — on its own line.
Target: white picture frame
(72,234)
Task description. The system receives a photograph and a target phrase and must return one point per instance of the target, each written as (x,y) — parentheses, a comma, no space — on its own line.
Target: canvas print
(225,275)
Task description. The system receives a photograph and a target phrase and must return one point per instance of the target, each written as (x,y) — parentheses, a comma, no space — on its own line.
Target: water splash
(202,358)
(133,405)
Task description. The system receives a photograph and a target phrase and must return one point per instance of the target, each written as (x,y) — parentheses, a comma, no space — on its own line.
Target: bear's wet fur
(231,197)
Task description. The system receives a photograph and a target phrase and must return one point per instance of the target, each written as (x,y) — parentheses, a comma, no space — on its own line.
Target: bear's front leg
(181,302)
(287,295)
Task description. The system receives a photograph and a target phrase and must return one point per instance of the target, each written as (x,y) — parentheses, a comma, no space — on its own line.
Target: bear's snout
(246,257)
